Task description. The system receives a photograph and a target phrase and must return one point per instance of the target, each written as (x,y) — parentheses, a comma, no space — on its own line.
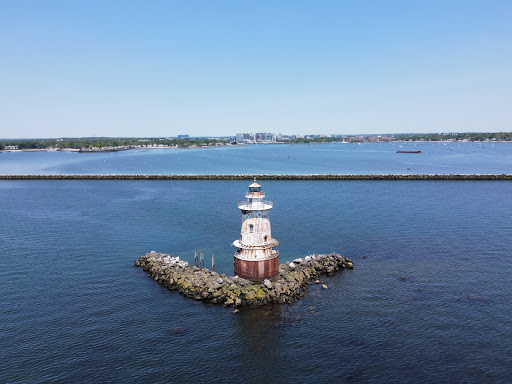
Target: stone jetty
(203,284)
(442,177)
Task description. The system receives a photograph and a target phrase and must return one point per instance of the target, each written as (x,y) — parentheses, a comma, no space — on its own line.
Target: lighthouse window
(251,227)
(265,238)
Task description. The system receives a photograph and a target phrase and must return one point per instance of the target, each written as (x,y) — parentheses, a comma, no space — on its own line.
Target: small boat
(408,151)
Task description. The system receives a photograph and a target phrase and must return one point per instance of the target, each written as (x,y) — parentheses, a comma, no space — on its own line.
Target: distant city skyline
(165,68)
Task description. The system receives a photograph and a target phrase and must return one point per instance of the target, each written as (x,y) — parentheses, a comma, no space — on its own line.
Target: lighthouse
(255,256)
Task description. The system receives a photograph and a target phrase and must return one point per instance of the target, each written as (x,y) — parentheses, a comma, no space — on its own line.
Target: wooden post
(213,263)
(196,263)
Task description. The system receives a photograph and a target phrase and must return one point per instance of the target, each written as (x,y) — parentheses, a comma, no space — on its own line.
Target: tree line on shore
(501,136)
(470,136)
(105,142)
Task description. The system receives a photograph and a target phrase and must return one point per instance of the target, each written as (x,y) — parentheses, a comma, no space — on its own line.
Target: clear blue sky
(160,68)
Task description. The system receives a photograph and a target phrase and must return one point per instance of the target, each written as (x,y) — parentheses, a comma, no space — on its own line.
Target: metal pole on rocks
(213,262)
(196,264)
(201,260)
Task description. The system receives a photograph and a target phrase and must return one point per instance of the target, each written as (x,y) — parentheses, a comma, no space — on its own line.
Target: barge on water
(408,151)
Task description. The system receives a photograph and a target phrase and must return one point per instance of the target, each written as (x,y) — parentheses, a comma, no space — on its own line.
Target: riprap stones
(203,284)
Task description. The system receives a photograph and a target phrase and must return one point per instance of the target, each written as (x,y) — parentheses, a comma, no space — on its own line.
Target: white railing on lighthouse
(254,206)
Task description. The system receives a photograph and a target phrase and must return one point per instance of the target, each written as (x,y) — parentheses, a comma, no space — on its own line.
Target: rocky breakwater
(442,177)
(203,284)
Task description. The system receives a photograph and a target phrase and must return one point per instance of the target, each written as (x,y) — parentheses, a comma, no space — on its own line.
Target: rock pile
(213,287)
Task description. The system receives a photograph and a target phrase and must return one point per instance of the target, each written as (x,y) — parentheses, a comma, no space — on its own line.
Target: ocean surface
(428,301)
(368,158)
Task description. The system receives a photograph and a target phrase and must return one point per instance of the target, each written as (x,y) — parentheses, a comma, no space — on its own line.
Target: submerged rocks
(205,285)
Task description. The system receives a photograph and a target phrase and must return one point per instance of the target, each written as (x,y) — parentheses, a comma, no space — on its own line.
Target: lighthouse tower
(255,256)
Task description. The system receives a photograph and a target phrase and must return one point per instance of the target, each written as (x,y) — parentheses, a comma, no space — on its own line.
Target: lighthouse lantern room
(255,256)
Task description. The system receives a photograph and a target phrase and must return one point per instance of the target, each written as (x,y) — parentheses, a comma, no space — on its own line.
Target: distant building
(266,137)
(244,137)
(269,137)
(380,138)
(11,147)
(184,137)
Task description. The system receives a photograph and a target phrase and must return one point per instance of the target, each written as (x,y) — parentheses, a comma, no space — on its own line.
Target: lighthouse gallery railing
(255,206)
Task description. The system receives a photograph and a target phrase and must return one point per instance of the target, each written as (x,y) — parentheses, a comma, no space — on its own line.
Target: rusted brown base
(257,270)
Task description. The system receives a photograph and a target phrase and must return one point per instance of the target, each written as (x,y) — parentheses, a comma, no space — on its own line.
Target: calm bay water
(74,309)
(378,158)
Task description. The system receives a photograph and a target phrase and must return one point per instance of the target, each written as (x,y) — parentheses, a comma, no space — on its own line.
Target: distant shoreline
(238,145)
(42,150)
(397,177)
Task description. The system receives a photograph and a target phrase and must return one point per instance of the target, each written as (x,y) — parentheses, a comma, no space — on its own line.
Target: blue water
(74,309)
(371,158)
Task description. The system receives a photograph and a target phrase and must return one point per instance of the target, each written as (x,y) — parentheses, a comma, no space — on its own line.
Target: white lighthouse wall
(255,231)
(256,241)
(259,253)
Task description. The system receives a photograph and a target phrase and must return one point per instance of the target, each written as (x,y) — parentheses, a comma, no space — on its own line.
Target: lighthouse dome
(255,187)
